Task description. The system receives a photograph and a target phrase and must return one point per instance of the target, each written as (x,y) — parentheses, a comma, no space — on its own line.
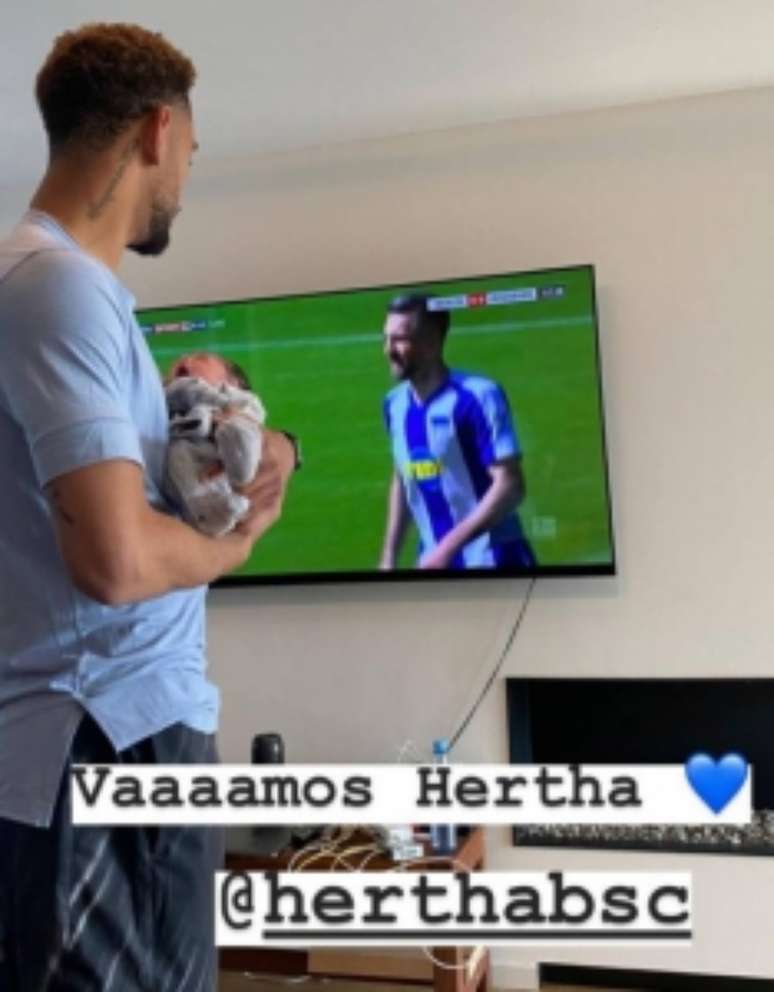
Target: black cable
(496,670)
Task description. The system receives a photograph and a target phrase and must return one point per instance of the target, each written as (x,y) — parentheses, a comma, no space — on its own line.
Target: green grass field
(317,364)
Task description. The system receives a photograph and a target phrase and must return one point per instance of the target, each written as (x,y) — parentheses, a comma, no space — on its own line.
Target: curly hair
(100,78)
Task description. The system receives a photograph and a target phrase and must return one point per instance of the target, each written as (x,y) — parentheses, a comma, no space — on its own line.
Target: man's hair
(425,319)
(100,78)
(236,374)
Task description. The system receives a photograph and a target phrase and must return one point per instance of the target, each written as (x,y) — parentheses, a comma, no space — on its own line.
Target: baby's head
(209,367)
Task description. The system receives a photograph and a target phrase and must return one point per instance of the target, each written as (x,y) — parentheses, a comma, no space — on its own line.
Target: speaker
(267,749)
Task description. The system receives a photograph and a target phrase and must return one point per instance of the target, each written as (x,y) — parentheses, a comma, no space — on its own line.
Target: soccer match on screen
(423,409)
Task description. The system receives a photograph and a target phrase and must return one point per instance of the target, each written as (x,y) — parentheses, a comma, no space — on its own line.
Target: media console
(457,970)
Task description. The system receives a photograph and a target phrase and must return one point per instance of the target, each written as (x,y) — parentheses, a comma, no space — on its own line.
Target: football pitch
(317,364)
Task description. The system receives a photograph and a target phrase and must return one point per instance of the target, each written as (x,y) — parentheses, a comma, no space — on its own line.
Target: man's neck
(426,382)
(92,205)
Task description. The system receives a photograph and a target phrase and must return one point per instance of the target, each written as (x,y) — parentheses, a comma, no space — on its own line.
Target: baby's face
(202,365)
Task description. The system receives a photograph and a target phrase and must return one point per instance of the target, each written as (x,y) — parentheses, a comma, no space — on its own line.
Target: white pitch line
(251,344)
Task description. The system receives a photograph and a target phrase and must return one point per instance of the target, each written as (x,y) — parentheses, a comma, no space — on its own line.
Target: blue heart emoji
(716,782)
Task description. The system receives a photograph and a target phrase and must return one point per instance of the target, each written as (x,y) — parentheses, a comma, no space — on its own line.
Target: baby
(215,440)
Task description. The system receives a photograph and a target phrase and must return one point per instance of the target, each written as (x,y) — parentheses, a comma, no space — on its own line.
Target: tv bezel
(350,576)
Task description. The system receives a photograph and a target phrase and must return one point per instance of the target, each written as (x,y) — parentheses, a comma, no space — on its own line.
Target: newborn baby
(215,440)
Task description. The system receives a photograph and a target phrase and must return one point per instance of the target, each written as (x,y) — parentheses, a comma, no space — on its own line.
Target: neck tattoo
(96,208)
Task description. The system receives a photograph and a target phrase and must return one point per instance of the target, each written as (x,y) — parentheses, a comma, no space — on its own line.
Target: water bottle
(443,836)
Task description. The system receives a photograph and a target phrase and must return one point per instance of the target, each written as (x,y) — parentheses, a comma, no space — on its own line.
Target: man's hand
(387,562)
(502,497)
(267,490)
(397,524)
(438,557)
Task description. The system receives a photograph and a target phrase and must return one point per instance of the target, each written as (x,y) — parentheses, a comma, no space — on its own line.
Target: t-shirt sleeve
(498,436)
(63,360)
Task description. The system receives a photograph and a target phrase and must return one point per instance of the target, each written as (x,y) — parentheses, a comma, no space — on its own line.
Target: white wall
(673,203)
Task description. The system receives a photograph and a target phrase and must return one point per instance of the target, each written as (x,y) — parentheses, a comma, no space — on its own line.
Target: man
(457,458)
(101,589)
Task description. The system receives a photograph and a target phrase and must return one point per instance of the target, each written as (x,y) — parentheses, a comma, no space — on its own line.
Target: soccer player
(457,458)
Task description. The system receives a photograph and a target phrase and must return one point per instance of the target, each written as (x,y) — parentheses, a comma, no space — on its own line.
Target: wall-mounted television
(518,403)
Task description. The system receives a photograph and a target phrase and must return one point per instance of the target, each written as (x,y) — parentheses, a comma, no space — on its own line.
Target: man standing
(457,458)
(101,589)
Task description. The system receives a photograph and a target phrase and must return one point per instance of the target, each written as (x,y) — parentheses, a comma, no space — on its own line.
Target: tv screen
(448,428)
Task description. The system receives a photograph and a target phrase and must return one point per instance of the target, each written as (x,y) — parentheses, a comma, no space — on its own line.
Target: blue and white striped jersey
(443,449)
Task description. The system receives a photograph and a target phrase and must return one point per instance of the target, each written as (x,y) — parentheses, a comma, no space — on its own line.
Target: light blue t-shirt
(77,386)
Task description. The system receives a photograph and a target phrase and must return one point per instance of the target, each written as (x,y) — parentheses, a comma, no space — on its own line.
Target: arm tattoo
(96,208)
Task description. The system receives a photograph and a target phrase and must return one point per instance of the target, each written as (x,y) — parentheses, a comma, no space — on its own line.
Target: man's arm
(118,549)
(397,523)
(501,498)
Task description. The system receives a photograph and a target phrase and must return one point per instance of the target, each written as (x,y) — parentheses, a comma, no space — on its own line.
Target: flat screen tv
(521,401)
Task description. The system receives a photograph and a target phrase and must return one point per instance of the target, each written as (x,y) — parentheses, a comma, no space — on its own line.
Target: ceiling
(276,75)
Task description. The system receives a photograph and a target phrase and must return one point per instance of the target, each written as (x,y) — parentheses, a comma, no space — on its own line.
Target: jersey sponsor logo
(423,469)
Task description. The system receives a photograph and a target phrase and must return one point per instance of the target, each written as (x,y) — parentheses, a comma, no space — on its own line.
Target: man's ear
(154,134)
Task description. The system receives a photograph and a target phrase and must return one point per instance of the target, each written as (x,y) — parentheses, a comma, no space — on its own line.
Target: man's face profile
(165,196)
(401,346)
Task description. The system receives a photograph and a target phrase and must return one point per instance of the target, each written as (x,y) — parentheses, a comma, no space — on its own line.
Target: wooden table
(458,969)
